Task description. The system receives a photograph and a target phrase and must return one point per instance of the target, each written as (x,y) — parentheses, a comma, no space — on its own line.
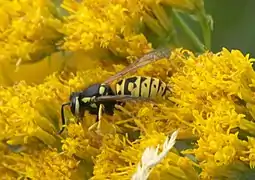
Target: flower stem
(162,17)
(196,42)
(206,25)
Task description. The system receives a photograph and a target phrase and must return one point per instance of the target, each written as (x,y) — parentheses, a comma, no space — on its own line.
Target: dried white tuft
(151,158)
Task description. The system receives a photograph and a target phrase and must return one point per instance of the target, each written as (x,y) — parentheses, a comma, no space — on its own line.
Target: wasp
(101,97)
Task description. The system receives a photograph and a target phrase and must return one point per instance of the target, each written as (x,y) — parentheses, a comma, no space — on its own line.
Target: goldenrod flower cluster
(32,30)
(28,30)
(94,24)
(211,103)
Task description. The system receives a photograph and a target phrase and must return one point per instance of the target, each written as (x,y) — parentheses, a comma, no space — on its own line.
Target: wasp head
(74,103)
(74,106)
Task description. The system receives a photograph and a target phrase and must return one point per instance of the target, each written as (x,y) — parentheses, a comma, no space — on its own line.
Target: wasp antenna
(63,117)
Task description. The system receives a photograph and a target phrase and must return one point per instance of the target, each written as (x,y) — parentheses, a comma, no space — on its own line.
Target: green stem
(196,42)
(174,39)
(206,28)
(162,17)
(153,24)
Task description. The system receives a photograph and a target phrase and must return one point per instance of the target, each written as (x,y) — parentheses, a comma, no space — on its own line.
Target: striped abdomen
(140,86)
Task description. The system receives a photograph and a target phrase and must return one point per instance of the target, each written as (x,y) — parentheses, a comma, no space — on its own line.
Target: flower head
(112,25)
(43,164)
(119,158)
(211,102)
(214,90)
(150,158)
(28,30)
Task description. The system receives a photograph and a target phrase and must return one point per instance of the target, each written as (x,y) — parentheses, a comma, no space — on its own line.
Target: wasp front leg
(80,116)
(98,118)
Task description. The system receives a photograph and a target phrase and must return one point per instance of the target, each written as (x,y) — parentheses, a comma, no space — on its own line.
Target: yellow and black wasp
(101,96)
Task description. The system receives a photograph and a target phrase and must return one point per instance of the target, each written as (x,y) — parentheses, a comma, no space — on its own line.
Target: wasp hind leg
(119,107)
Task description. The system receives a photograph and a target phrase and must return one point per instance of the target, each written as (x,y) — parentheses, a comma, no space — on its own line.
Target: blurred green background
(234,24)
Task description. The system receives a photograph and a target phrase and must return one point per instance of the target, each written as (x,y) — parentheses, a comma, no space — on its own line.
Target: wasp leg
(120,108)
(93,126)
(80,117)
(98,118)
(100,112)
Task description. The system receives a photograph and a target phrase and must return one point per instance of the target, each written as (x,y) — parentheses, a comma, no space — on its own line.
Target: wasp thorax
(75,105)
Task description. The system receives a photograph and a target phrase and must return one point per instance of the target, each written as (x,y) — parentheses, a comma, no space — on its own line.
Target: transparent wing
(121,98)
(144,60)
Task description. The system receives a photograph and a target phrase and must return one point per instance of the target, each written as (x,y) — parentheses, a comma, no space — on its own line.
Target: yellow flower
(112,25)
(122,27)
(119,26)
(249,153)
(119,158)
(30,118)
(211,102)
(33,111)
(151,157)
(11,73)
(20,121)
(28,30)
(214,90)
(43,164)
(80,144)
(218,150)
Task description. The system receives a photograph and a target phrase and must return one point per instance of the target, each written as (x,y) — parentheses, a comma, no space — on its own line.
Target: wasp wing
(144,60)
(121,98)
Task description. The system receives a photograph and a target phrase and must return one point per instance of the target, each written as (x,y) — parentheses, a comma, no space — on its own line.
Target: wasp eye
(73,102)
(74,99)
(75,105)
